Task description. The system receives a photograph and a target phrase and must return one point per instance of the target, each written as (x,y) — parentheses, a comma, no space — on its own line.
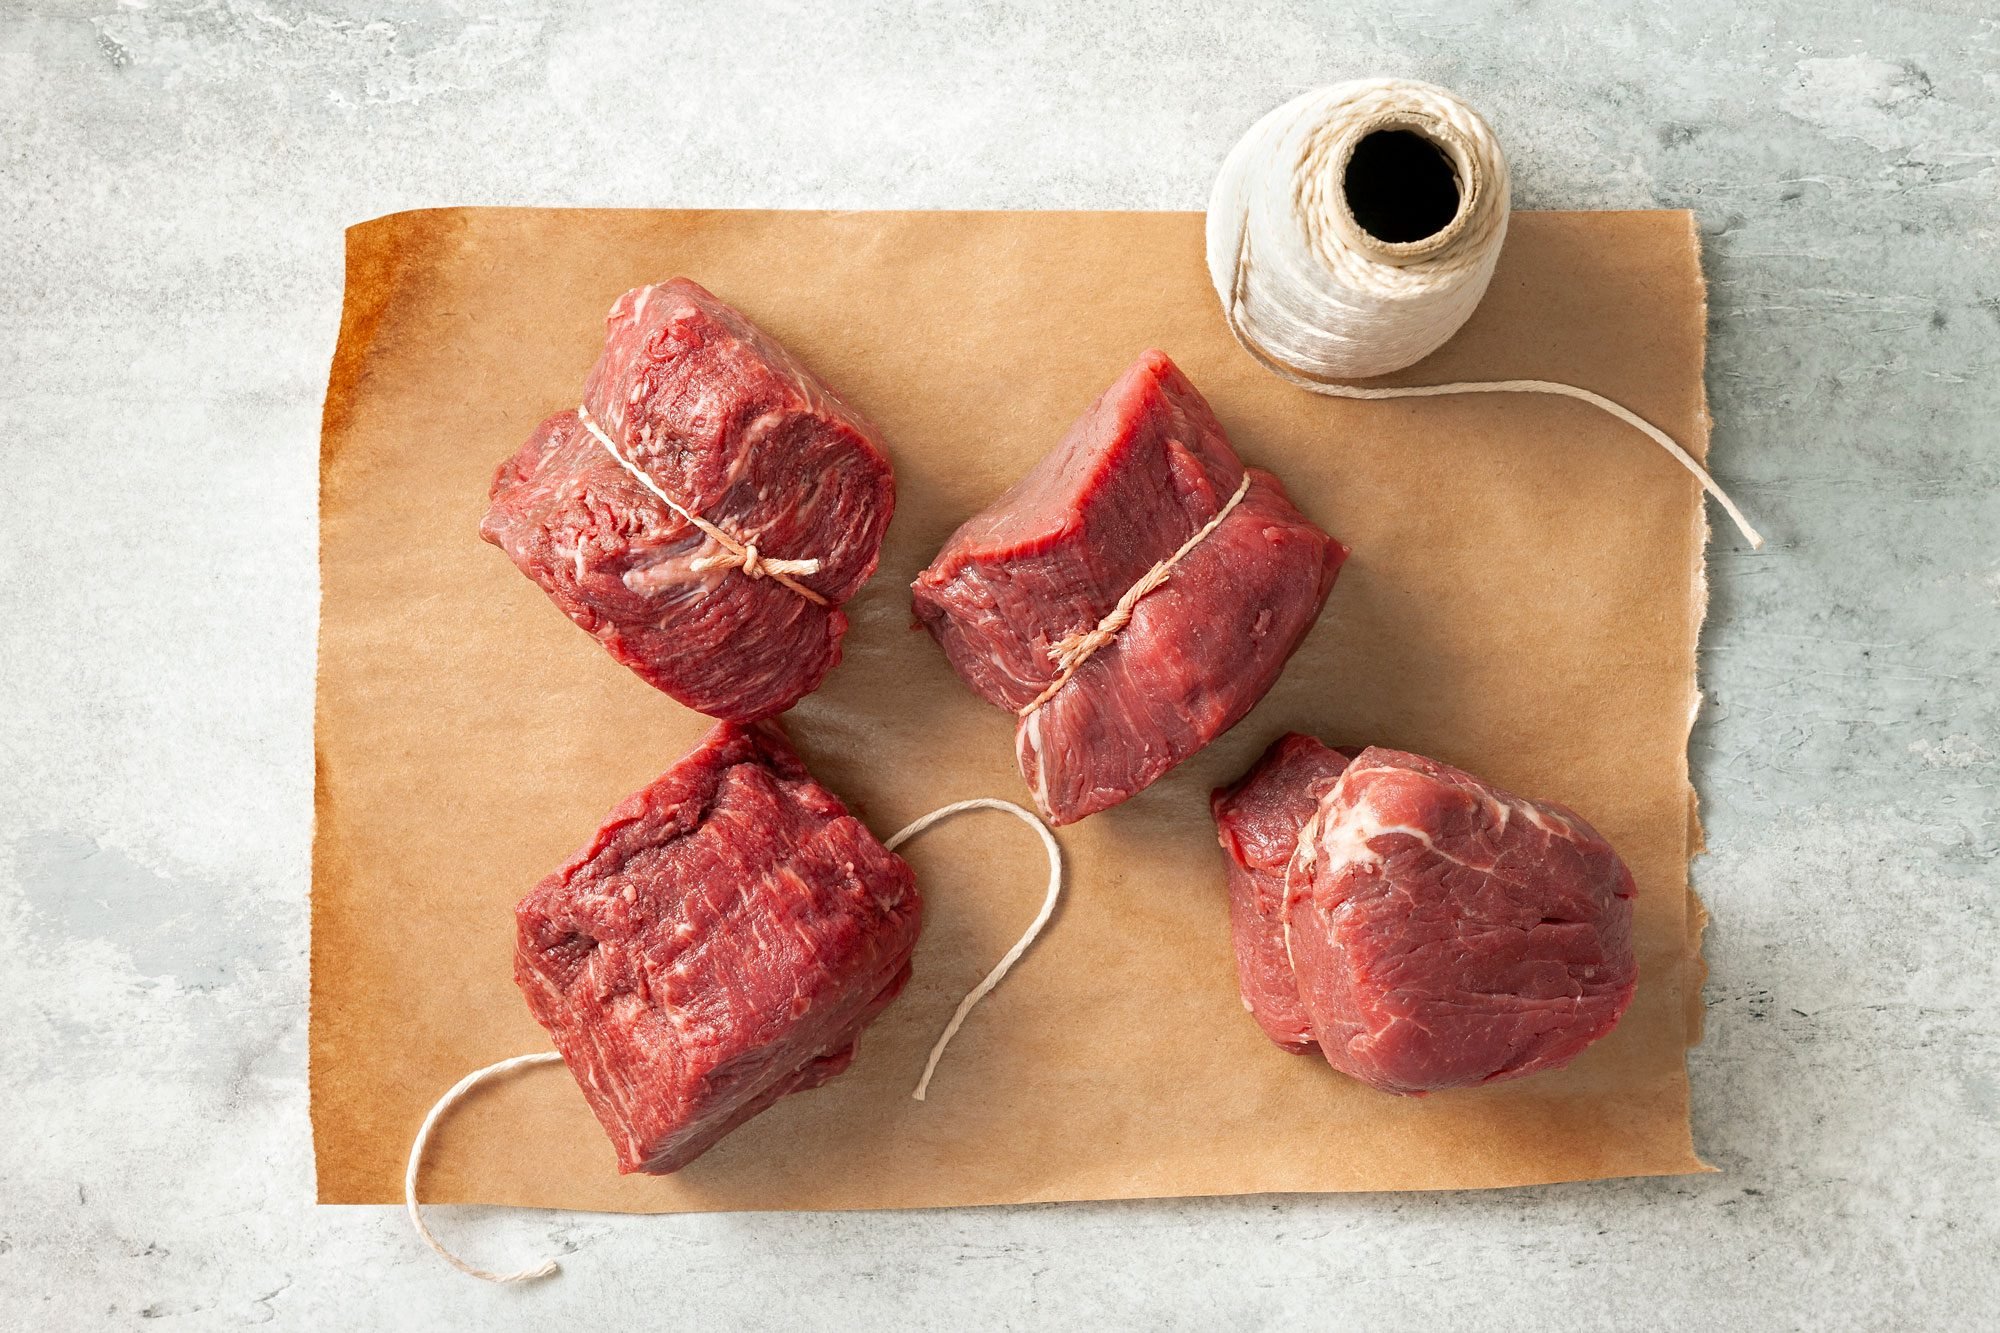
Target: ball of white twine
(1313,286)
(1317,299)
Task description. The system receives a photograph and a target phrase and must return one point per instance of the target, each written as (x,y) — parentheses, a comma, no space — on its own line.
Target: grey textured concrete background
(176,176)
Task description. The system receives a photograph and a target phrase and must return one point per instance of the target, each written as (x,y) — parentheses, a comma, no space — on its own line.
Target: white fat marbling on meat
(1548,821)
(641,301)
(748,440)
(1028,741)
(1347,842)
(677,569)
(1343,843)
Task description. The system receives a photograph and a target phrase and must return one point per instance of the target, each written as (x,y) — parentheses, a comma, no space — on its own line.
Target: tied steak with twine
(549,1267)
(1354,229)
(1070,652)
(734,554)
(700,445)
(1131,597)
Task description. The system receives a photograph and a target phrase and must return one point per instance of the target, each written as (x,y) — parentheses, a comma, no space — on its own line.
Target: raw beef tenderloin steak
(721,942)
(1442,932)
(1258,820)
(1142,472)
(725,421)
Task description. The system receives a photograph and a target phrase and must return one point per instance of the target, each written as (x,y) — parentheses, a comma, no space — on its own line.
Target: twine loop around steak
(1070,652)
(734,554)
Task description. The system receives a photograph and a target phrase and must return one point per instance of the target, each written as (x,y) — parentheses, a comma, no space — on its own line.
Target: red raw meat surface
(721,942)
(1258,820)
(1137,475)
(1441,933)
(736,430)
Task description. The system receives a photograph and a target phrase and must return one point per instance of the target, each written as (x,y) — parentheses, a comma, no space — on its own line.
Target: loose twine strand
(1013,955)
(734,554)
(546,1268)
(1316,300)
(549,1267)
(1072,650)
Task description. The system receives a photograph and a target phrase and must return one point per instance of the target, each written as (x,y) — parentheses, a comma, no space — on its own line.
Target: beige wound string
(1072,650)
(734,554)
(546,1268)
(1317,299)
(1013,955)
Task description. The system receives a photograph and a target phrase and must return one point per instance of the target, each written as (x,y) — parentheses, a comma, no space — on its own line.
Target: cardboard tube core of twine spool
(1319,298)
(1386,191)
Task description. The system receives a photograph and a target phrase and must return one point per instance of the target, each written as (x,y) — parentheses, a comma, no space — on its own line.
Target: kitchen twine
(549,1267)
(1316,299)
(1070,652)
(735,554)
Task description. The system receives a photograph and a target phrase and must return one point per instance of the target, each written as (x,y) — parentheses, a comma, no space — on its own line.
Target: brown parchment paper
(1523,600)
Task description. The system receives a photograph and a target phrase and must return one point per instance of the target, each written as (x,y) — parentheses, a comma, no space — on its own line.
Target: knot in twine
(732,553)
(1071,651)
(1316,298)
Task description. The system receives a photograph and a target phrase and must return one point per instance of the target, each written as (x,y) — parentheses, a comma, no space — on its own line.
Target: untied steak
(720,942)
(1423,929)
